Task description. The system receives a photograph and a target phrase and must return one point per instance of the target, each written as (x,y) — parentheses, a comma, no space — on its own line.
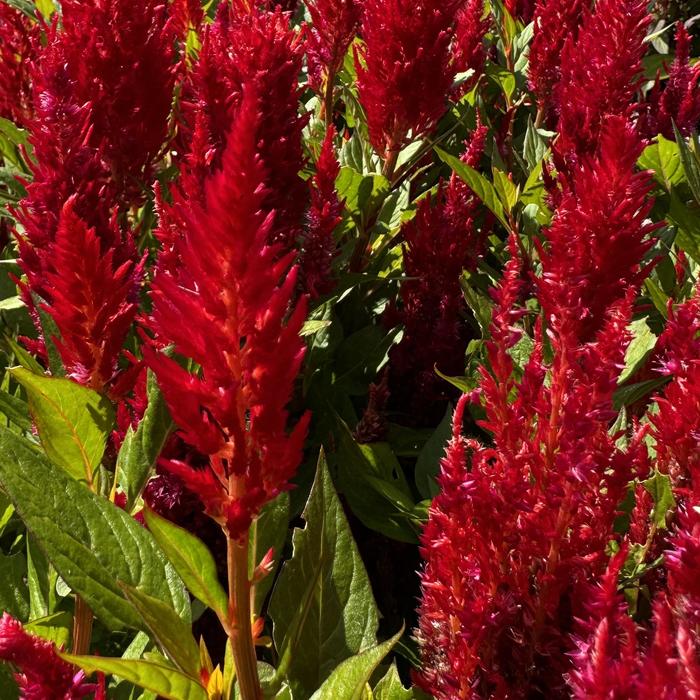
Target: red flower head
(601,70)
(441,241)
(226,306)
(92,301)
(333,26)
(42,675)
(318,245)
(404,71)
(555,22)
(19,43)
(679,101)
(469,51)
(598,236)
(520,9)
(239,47)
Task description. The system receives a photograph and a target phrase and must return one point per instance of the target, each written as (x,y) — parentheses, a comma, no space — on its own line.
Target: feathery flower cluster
(242,46)
(529,521)
(18,45)
(404,70)
(600,72)
(679,101)
(42,675)
(555,22)
(469,51)
(440,242)
(333,26)
(318,245)
(225,308)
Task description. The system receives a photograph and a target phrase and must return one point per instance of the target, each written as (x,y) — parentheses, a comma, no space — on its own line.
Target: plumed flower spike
(18,44)
(469,50)
(91,299)
(403,71)
(679,101)
(42,674)
(555,22)
(227,308)
(600,72)
(333,26)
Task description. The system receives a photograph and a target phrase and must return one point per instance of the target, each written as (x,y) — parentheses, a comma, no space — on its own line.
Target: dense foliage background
(351,349)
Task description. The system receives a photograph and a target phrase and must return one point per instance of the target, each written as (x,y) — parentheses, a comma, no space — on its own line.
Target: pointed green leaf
(192,561)
(348,680)
(167,682)
(660,488)
(73,421)
(141,447)
(269,531)
(322,605)
(92,543)
(481,187)
(13,589)
(690,162)
(390,687)
(15,410)
(173,634)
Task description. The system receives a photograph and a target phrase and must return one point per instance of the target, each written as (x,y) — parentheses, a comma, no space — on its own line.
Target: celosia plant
(349,345)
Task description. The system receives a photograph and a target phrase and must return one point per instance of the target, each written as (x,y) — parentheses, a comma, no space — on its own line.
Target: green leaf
(372,480)
(390,687)
(322,605)
(92,543)
(192,560)
(269,531)
(348,681)
(657,296)
(15,410)
(481,187)
(55,628)
(167,682)
(508,192)
(141,447)
(428,464)
(664,159)
(688,223)
(690,162)
(173,634)
(627,395)
(643,342)
(11,303)
(13,589)
(660,488)
(464,384)
(73,421)
(363,194)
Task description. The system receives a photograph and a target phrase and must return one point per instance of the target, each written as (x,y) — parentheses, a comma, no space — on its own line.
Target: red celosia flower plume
(520,526)
(240,47)
(333,26)
(601,70)
(440,242)
(469,50)
(403,70)
(679,101)
(555,22)
(19,43)
(42,674)
(92,301)
(227,307)
(599,236)
(520,8)
(318,245)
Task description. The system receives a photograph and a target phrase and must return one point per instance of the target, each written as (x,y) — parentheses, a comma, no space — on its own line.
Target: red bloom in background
(42,675)
(679,101)
(19,42)
(441,241)
(520,9)
(227,307)
(601,70)
(242,46)
(333,27)
(318,246)
(469,50)
(93,301)
(555,22)
(403,71)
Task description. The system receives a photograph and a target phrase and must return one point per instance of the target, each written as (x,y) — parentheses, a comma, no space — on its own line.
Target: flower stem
(82,626)
(240,630)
